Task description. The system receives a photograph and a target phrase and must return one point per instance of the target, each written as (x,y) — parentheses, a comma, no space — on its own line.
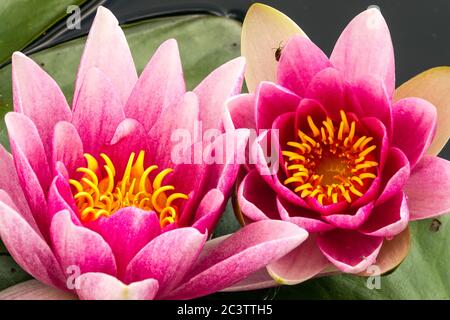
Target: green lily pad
(24,21)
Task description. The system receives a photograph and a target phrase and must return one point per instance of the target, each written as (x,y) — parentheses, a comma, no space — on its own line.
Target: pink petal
(350,221)
(97,111)
(80,247)
(388,219)
(9,182)
(180,117)
(301,264)
(167,258)
(304,218)
(127,231)
(272,101)
(209,211)
(240,112)
(34,290)
(395,174)
(28,248)
(216,88)
(37,96)
(373,99)
(160,85)
(256,199)
(300,61)
(26,145)
(107,49)
(100,286)
(67,147)
(258,280)
(414,127)
(427,188)
(241,254)
(350,251)
(365,48)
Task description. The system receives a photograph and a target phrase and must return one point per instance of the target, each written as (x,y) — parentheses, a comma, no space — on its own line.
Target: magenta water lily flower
(353,168)
(90,199)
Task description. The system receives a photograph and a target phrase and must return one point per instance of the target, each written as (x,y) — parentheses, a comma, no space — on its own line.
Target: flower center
(99,193)
(331,162)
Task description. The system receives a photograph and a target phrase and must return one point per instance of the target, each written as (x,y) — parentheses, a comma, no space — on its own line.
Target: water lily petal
(97,111)
(389,218)
(240,112)
(395,174)
(301,264)
(427,188)
(100,286)
(300,61)
(221,84)
(107,49)
(77,246)
(209,211)
(365,48)
(167,258)
(272,101)
(38,96)
(257,280)
(127,231)
(263,31)
(414,127)
(67,147)
(160,85)
(432,85)
(34,290)
(350,221)
(28,248)
(239,255)
(349,250)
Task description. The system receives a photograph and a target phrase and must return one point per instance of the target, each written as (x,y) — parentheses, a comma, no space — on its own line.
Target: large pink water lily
(90,199)
(353,168)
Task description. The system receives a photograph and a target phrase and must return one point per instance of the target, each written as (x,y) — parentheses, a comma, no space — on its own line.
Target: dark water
(420,29)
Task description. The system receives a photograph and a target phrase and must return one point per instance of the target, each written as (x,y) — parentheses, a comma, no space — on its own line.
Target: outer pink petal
(257,280)
(38,96)
(350,221)
(388,219)
(167,258)
(34,290)
(26,142)
(243,253)
(100,286)
(177,118)
(350,251)
(395,174)
(67,146)
(160,85)
(304,218)
(427,189)
(9,182)
(240,112)
(97,111)
(127,231)
(300,61)
(301,264)
(365,48)
(80,247)
(256,199)
(216,88)
(28,248)
(414,127)
(107,49)
(209,211)
(272,101)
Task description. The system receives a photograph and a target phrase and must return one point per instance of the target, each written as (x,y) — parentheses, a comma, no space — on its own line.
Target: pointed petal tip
(104,13)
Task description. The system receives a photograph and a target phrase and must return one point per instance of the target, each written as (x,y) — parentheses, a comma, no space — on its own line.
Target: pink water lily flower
(353,168)
(90,199)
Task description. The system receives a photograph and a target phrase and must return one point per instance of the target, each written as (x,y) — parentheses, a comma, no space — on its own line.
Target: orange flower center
(99,193)
(330,162)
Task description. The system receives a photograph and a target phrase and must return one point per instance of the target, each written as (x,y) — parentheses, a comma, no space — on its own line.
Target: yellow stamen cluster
(96,197)
(331,162)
